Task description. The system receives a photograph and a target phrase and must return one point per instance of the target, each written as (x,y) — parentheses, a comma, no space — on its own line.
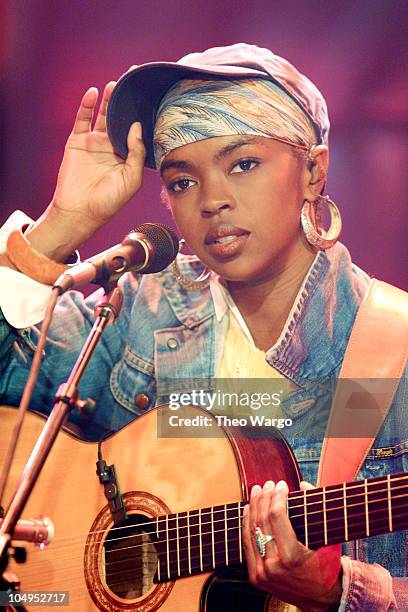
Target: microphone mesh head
(165,242)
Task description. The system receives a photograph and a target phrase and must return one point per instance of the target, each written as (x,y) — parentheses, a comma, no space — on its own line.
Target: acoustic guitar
(180,549)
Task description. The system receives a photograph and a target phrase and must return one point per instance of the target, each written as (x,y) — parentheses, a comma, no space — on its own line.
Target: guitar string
(310,493)
(340,529)
(80,555)
(318,492)
(333,531)
(357,524)
(220,552)
(310,524)
(193,559)
(360,485)
(329,500)
(194,513)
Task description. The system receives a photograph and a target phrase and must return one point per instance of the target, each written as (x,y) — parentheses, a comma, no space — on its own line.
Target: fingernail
(269,484)
(281,486)
(246,510)
(138,129)
(256,489)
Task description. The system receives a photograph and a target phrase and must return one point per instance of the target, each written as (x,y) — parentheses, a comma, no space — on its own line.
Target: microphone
(149,248)
(39,531)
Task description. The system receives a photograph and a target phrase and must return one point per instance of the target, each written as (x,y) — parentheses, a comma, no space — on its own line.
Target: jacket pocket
(132,380)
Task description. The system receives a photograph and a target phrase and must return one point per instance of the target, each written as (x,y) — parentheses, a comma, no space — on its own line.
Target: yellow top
(245,377)
(241,358)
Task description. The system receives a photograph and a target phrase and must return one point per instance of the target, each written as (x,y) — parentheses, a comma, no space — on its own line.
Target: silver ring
(261,541)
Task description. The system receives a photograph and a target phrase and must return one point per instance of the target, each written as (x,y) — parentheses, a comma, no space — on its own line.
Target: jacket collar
(313,341)
(315,336)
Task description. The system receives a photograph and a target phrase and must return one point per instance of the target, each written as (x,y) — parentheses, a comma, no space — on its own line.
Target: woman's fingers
(250,523)
(282,530)
(268,512)
(84,117)
(134,164)
(249,543)
(83,120)
(100,123)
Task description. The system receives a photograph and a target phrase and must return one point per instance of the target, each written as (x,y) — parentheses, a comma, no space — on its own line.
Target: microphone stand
(66,399)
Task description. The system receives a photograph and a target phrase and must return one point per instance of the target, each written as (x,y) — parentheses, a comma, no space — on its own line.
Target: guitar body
(157,476)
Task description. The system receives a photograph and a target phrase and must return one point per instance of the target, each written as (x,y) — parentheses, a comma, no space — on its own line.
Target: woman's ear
(316,172)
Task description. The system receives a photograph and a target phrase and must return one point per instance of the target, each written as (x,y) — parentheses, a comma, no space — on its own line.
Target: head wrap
(194,110)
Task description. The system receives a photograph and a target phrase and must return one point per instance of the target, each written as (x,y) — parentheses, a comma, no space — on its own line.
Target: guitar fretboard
(203,540)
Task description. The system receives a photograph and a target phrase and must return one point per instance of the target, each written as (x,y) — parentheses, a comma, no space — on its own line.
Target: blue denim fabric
(165,332)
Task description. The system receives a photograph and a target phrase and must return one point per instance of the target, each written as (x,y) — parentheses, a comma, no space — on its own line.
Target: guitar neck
(210,538)
(354,510)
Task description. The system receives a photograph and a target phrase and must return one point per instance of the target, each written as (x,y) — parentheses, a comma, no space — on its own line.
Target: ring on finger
(261,540)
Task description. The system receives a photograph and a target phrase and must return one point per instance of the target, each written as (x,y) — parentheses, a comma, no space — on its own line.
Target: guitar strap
(373,364)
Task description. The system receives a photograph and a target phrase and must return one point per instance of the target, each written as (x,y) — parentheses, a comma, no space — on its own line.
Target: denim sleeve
(72,321)
(368,587)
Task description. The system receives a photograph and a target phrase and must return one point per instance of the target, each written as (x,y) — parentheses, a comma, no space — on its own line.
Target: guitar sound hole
(130,557)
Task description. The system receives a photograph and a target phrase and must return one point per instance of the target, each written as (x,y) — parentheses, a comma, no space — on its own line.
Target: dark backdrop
(355,51)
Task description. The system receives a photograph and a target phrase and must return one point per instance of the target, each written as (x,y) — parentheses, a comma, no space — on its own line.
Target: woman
(240,140)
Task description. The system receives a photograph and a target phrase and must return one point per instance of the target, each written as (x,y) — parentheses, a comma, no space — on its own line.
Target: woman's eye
(180,185)
(245,165)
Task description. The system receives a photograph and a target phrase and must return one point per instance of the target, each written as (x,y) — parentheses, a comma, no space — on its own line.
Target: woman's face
(236,201)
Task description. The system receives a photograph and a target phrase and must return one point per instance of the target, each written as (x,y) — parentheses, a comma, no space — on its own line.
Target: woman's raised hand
(93,181)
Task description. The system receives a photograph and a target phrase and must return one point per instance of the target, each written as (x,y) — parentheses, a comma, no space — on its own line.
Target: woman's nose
(214,200)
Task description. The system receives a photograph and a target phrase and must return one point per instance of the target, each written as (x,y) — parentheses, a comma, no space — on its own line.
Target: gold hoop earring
(190,285)
(310,219)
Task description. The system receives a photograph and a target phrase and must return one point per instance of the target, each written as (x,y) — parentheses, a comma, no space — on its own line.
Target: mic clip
(107,477)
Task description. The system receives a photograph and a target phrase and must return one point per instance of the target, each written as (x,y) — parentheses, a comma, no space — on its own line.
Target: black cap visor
(138,93)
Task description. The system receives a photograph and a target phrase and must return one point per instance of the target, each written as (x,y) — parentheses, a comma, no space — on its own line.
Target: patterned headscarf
(193,110)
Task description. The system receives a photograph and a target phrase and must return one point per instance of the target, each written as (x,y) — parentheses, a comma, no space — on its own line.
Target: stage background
(356,53)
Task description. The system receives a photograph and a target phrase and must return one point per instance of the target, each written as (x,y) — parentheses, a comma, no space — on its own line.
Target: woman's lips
(226,241)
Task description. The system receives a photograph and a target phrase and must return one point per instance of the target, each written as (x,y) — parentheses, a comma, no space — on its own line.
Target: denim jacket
(164,330)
